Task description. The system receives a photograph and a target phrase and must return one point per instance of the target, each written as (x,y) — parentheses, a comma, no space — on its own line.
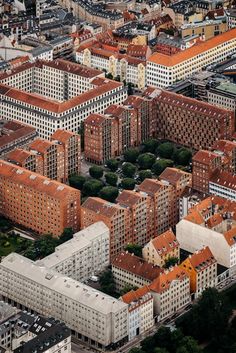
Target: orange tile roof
(173,175)
(230,236)
(16,131)
(62,135)
(225,179)
(18,155)
(100,206)
(201,259)
(136,265)
(163,282)
(40,145)
(36,181)
(165,243)
(135,295)
(214,220)
(128,198)
(150,186)
(95,119)
(205,157)
(224,146)
(166,60)
(194,217)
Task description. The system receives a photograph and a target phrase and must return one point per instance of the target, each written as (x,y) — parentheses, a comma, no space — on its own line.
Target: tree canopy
(145,174)
(112,164)
(182,156)
(166,150)
(128,183)
(111,178)
(134,249)
(92,187)
(96,172)
(159,166)
(131,155)
(109,193)
(77,181)
(128,169)
(150,145)
(146,160)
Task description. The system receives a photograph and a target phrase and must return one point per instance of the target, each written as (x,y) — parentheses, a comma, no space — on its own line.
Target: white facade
(222,190)
(193,237)
(221,100)
(123,277)
(85,255)
(163,73)
(93,316)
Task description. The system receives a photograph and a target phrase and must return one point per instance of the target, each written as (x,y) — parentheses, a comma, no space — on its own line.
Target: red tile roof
(165,243)
(40,145)
(173,175)
(100,206)
(201,259)
(136,265)
(18,155)
(224,179)
(136,295)
(205,157)
(150,186)
(163,282)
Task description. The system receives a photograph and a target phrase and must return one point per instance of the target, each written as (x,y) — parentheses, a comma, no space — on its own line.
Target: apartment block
(201,267)
(162,196)
(26,159)
(72,151)
(227,150)
(141,211)
(163,247)
(190,122)
(205,164)
(14,134)
(188,199)
(179,180)
(170,291)
(132,270)
(36,202)
(223,95)
(56,95)
(140,310)
(98,319)
(116,218)
(164,70)
(85,255)
(210,223)
(223,184)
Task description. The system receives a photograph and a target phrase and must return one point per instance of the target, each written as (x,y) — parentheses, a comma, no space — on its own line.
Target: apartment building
(98,319)
(72,151)
(140,310)
(223,184)
(205,164)
(56,95)
(227,150)
(116,218)
(190,122)
(162,195)
(104,57)
(163,247)
(179,180)
(85,255)
(14,134)
(36,202)
(26,159)
(141,211)
(223,95)
(170,291)
(201,267)
(132,270)
(205,29)
(210,223)
(24,332)
(52,157)
(164,70)
(188,199)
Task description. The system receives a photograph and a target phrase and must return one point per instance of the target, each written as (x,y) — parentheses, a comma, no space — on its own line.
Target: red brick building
(36,202)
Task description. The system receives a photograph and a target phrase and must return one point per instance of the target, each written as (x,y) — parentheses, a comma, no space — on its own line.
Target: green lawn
(11,243)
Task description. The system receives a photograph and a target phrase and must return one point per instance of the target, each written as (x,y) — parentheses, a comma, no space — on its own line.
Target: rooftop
(165,243)
(164,281)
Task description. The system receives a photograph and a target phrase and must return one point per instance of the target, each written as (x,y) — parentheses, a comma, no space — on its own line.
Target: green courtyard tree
(111,178)
(92,187)
(128,169)
(150,145)
(134,249)
(109,193)
(96,172)
(159,166)
(131,155)
(182,156)
(166,150)
(128,184)
(171,261)
(112,164)
(77,181)
(146,160)
(145,174)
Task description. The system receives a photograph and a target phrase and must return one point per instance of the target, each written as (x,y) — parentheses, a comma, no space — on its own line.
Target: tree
(128,184)
(111,178)
(66,235)
(127,289)
(131,155)
(107,282)
(4,224)
(117,78)
(130,90)
(109,193)
(146,160)
(145,174)
(166,150)
(77,181)
(159,166)
(109,75)
(134,249)
(188,345)
(92,187)
(96,172)
(182,156)
(128,169)
(136,350)
(171,261)
(112,164)
(150,145)
(160,350)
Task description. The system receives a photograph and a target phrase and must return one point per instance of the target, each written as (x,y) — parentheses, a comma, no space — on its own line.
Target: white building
(56,94)
(141,311)
(85,255)
(171,292)
(223,184)
(93,316)
(164,70)
(231,18)
(223,96)
(211,223)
